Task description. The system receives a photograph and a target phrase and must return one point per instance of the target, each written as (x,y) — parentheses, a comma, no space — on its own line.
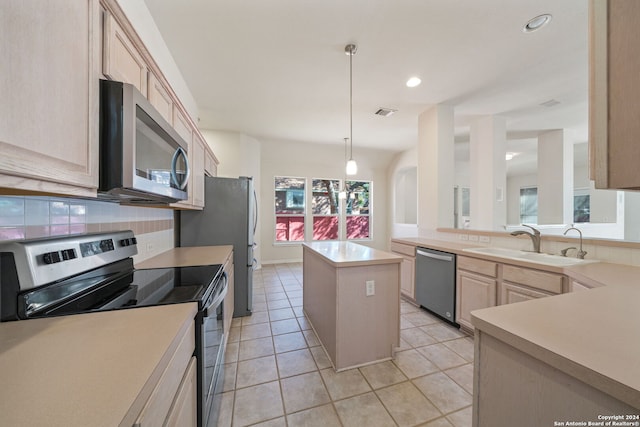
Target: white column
(435,168)
(488,173)
(555,177)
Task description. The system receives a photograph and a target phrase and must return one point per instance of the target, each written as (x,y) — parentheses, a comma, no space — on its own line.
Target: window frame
(338,214)
(277,215)
(369,214)
(309,216)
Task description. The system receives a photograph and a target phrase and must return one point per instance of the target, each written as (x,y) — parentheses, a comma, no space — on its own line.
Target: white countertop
(347,254)
(590,335)
(188,256)
(87,369)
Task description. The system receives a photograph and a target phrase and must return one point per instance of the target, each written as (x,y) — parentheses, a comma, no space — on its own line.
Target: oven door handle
(219,296)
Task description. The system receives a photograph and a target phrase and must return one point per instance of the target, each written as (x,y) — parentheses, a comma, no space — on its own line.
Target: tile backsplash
(27,217)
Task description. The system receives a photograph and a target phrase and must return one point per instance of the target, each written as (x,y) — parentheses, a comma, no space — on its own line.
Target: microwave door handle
(174,164)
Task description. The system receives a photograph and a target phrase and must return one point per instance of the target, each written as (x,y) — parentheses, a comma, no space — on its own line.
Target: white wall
(403,160)
(287,158)
(141,19)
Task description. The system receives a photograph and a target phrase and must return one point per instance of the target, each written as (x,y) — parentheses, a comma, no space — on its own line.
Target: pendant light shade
(352,166)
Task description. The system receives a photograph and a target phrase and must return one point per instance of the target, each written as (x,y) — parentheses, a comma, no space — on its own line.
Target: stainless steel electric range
(94,272)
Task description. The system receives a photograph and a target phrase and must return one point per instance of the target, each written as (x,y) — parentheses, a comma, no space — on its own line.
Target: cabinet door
(181,125)
(512,292)
(210,163)
(474,292)
(614,66)
(407,277)
(122,61)
(184,410)
(159,97)
(50,92)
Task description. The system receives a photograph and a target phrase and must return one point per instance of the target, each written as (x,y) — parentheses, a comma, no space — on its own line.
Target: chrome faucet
(581,253)
(565,250)
(535,236)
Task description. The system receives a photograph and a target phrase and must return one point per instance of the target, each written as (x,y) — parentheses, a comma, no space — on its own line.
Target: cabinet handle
(434,256)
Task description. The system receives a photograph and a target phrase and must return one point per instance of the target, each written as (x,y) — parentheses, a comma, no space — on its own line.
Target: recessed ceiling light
(413,82)
(534,24)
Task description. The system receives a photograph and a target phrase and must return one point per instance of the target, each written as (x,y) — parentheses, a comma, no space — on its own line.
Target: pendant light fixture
(352,166)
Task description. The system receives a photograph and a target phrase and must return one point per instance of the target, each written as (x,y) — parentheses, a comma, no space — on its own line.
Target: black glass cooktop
(110,287)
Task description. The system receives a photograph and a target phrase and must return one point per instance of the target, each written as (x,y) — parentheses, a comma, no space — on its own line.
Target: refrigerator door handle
(255,212)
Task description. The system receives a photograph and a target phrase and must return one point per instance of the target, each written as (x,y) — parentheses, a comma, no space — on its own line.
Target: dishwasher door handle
(434,256)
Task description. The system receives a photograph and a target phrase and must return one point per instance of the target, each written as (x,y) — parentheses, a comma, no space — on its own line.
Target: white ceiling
(277,69)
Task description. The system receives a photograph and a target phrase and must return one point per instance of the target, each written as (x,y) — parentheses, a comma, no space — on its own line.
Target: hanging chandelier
(352,166)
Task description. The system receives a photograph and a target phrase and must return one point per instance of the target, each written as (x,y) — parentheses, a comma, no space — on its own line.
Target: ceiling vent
(385,112)
(550,103)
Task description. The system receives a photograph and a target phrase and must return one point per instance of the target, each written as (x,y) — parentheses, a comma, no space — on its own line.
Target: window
(324,207)
(289,205)
(358,214)
(581,205)
(529,205)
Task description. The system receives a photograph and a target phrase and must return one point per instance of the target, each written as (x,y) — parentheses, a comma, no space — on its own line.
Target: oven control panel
(42,261)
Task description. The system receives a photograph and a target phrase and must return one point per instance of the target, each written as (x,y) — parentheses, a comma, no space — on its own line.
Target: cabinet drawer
(157,407)
(487,268)
(549,282)
(511,292)
(401,248)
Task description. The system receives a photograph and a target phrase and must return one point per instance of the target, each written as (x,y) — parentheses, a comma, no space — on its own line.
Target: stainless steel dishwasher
(436,282)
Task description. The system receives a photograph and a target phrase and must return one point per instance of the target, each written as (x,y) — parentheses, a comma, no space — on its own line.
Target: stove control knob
(124,242)
(51,257)
(68,254)
(134,241)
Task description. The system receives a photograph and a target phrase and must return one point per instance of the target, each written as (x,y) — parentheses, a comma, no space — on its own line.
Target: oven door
(213,348)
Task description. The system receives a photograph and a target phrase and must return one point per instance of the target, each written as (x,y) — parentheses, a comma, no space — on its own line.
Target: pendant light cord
(351,52)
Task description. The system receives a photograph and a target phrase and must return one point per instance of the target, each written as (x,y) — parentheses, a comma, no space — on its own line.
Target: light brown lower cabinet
(476,287)
(482,284)
(407,268)
(184,411)
(166,393)
(474,292)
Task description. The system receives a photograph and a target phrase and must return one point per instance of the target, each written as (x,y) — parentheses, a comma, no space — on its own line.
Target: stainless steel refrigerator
(228,218)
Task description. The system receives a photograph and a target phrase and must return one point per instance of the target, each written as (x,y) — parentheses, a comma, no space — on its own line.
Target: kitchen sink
(538,258)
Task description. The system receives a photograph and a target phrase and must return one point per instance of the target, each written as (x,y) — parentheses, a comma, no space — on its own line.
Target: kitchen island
(351,296)
(97,369)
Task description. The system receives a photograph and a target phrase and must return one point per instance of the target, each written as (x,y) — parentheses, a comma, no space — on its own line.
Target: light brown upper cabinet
(121,60)
(159,97)
(210,163)
(614,91)
(49,103)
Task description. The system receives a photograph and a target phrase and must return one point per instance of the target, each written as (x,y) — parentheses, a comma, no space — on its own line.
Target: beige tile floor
(277,374)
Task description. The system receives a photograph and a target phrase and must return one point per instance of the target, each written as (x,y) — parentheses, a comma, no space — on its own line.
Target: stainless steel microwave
(142,158)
